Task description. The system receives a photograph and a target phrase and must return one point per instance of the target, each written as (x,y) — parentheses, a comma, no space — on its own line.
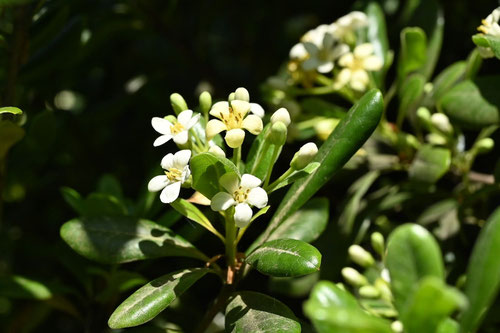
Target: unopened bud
(378,243)
(353,277)
(304,156)
(231,98)
(360,256)
(178,103)
(397,326)
(216,150)
(281,115)
(441,122)
(424,115)
(384,289)
(485,145)
(436,139)
(242,94)
(172,119)
(369,292)
(205,101)
(428,87)
(277,135)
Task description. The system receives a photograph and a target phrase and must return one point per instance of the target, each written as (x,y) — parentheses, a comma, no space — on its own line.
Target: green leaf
(447,79)
(412,254)
(332,309)
(206,169)
(309,169)
(260,156)
(11,110)
(436,211)
(435,40)
(74,199)
(24,288)
(190,211)
(410,95)
(10,134)
(250,311)
(432,302)
(483,274)
(466,106)
(349,135)
(448,325)
(109,184)
(430,164)
(122,239)
(285,258)
(492,42)
(307,224)
(413,51)
(147,302)
(377,36)
(100,204)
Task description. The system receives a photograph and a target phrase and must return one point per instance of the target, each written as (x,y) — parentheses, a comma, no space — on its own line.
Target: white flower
(176,173)
(348,24)
(282,115)
(233,119)
(356,66)
(257,110)
(178,131)
(490,24)
(240,193)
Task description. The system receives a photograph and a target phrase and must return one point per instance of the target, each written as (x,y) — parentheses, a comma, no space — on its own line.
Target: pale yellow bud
(281,115)
(360,256)
(304,156)
(353,277)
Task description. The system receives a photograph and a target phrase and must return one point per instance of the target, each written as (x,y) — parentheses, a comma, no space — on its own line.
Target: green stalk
(237,157)
(230,237)
(284,176)
(270,171)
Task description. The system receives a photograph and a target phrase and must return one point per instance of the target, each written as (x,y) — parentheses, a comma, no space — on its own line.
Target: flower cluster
(489,26)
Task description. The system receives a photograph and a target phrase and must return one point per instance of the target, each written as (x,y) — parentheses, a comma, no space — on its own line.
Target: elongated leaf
(436,211)
(413,52)
(349,135)
(285,257)
(74,199)
(410,94)
(432,302)
(412,254)
(430,164)
(328,294)
(194,214)
(22,287)
(307,224)
(466,106)
(123,239)
(450,76)
(435,39)
(260,157)
(250,311)
(147,302)
(206,169)
(11,110)
(377,36)
(483,274)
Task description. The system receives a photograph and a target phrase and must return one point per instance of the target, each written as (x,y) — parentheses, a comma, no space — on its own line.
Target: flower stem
(276,151)
(230,237)
(237,157)
(284,176)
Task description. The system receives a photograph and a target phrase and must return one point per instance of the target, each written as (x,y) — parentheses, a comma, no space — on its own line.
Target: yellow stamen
(174,174)
(177,128)
(241,194)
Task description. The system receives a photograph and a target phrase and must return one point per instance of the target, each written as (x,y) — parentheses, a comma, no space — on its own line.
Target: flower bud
(205,101)
(171,118)
(428,87)
(384,289)
(353,277)
(441,122)
(281,115)
(369,292)
(436,139)
(360,256)
(178,103)
(216,150)
(242,94)
(377,241)
(277,135)
(424,115)
(397,326)
(485,145)
(231,98)
(305,155)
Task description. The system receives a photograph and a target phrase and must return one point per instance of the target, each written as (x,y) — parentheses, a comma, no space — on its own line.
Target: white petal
(157,183)
(162,139)
(242,215)
(218,108)
(193,121)
(230,181)
(240,107)
(171,192)
(311,64)
(359,80)
(184,117)
(181,158)
(214,127)
(222,201)
(346,60)
(325,67)
(363,50)
(340,50)
(372,63)
(257,110)
(161,125)
(167,162)
(216,150)
(343,78)
(181,138)
(298,51)
(253,124)
(257,197)
(186,172)
(234,138)
(249,181)
(311,48)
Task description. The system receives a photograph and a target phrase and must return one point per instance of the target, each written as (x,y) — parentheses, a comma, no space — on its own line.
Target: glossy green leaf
(24,288)
(206,169)
(74,199)
(250,311)
(431,303)
(450,76)
(410,95)
(11,110)
(430,164)
(435,40)
(123,239)
(285,258)
(309,169)
(436,211)
(332,309)
(466,106)
(10,134)
(413,51)
(190,211)
(260,156)
(377,36)
(307,224)
(412,254)
(483,274)
(349,135)
(151,299)
(489,41)
(100,204)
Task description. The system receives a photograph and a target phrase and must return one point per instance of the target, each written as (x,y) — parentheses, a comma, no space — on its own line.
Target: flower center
(357,64)
(177,128)
(174,174)
(241,194)
(232,120)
